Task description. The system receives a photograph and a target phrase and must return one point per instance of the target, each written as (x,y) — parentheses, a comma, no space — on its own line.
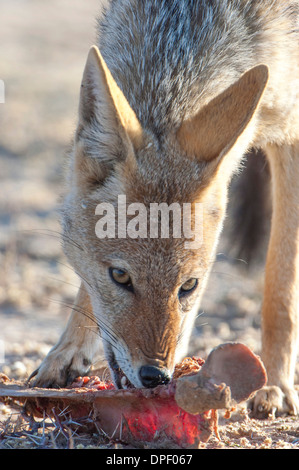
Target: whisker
(66,265)
(56,234)
(200,314)
(230,259)
(75,272)
(202,324)
(85,280)
(99,323)
(234,276)
(112,335)
(90,328)
(61,281)
(77,308)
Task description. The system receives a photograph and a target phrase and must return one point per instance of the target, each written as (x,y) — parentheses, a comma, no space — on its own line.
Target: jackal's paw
(60,367)
(274,401)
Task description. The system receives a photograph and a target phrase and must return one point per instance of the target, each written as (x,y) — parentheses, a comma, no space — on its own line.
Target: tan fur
(191,163)
(197,134)
(125,112)
(76,343)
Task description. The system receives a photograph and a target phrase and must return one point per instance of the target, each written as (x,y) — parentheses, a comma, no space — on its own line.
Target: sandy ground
(43,48)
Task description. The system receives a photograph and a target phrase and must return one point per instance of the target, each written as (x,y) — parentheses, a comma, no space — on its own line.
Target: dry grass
(57,432)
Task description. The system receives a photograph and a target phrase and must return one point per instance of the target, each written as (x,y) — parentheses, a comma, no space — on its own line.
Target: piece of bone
(178,414)
(133,416)
(229,376)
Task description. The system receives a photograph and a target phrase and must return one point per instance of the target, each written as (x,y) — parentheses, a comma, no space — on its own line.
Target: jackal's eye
(121,277)
(188,287)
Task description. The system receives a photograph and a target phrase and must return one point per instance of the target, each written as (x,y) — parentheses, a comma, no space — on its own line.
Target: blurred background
(43,48)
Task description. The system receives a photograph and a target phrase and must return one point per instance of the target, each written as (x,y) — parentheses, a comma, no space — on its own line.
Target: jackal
(173,95)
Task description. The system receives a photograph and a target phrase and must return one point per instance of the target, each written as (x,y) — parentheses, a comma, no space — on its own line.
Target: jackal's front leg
(280,322)
(76,350)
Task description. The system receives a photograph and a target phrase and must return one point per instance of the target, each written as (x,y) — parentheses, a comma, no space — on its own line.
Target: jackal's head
(144,278)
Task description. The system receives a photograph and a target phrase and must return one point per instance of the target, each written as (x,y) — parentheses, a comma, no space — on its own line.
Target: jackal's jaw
(119,378)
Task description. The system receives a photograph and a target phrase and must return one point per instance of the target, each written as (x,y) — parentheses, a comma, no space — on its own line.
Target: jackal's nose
(152,376)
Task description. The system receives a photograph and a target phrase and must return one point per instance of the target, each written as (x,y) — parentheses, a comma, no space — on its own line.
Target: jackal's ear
(216,128)
(102,102)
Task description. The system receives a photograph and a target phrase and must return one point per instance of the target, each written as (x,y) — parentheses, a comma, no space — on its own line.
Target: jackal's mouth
(118,376)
